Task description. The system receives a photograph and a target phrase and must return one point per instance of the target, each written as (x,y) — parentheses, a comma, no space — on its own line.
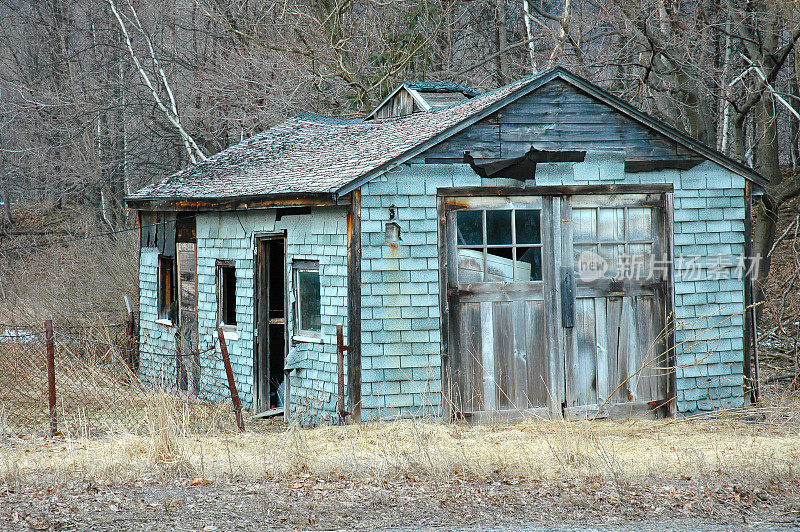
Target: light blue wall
(320,236)
(400,318)
(401,370)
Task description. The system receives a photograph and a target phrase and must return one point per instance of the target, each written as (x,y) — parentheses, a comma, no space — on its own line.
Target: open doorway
(271,344)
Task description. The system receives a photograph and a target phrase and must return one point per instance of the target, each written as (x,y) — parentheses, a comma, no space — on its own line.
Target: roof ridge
(445,85)
(325,119)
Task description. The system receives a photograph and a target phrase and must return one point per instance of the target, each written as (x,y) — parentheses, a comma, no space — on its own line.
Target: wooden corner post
(354,304)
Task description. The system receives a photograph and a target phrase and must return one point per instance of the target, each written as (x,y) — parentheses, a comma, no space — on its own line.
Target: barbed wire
(90,237)
(207,349)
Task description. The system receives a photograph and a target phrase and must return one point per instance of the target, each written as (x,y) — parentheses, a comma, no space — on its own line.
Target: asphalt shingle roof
(312,153)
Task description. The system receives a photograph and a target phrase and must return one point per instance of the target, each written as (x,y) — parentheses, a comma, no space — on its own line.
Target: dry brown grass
(626,451)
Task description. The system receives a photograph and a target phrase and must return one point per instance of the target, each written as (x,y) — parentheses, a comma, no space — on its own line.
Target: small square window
(167,289)
(226,294)
(308,307)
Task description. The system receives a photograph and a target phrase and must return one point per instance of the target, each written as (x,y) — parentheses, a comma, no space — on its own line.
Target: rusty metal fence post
(340,349)
(237,405)
(131,356)
(51,376)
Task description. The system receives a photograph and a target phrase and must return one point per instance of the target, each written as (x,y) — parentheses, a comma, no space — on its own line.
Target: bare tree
(193,151)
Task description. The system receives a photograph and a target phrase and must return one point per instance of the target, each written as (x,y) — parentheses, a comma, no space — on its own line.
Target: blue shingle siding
(403,289)
(320,236)
(156,340)
(401,284)
(401,373)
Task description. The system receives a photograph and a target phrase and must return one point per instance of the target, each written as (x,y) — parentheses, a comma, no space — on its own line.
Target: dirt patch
(305,502)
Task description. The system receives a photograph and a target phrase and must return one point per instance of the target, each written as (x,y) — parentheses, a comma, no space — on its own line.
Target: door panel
(615,351)
(496,293)
(554,306)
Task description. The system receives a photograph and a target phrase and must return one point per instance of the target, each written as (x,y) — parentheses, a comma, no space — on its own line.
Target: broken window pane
(498,227)
(529,264)
(528,227)
(499,264)
(469,225)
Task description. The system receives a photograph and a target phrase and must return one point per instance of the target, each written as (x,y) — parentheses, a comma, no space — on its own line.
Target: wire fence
(85,380)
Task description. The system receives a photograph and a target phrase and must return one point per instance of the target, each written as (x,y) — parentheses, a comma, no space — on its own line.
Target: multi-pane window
(499,245)
(308,306)
(620,237)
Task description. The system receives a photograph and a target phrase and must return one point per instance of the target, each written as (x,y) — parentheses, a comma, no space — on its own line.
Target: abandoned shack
(542,248)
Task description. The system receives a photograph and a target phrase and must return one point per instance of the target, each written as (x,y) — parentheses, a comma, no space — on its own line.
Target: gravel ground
(405,504)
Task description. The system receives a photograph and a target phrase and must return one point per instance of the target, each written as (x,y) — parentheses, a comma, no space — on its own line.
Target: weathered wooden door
(613,313)
(188,359)
(553,305)
(499,291)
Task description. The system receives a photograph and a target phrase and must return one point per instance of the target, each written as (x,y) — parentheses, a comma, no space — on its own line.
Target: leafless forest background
(99,97)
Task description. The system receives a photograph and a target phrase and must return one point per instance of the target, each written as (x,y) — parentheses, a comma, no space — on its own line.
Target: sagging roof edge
(593,91)
(237,203)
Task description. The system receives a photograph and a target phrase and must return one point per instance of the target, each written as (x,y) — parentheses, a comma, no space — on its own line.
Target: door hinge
(451,292)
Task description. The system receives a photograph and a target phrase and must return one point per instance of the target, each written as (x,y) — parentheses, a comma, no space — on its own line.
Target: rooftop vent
(421,96)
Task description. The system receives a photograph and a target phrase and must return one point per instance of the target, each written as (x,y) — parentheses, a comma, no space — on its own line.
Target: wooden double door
(556,305)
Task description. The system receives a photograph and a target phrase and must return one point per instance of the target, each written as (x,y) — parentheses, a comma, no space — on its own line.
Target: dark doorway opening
(271,343)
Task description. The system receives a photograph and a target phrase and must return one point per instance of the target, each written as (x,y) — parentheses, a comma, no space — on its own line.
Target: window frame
(597,244)
(165,308)
(484,247)
(222,297)
(298,266)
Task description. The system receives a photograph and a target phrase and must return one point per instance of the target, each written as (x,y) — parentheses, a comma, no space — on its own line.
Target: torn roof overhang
(314,156)
(528,85)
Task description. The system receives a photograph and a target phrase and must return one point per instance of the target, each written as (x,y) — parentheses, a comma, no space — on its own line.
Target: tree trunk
(501,42)
(526,17)
(768,165)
